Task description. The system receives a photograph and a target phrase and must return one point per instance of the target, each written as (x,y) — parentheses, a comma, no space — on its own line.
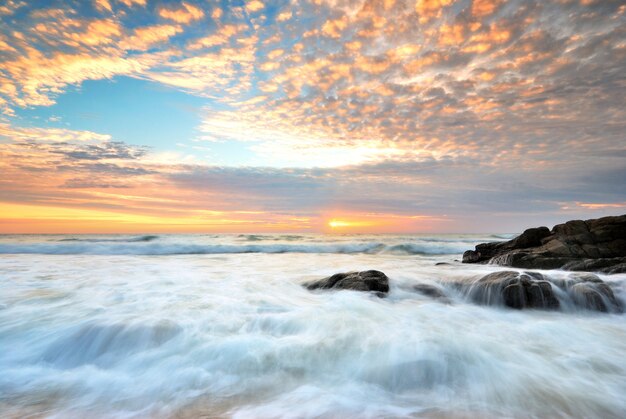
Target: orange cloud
(429,9)
(284,16)
(11,6)
(221,37)
(185,14)
(451,35)
(40,76)
(607,205)
(131,3)
(146,37)
(481,8)
(254,5)
(217,13)
(333,28)
(50,134)
(103,5)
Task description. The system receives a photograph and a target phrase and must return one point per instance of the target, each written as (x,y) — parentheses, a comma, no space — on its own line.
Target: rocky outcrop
(592,245)
(375,281)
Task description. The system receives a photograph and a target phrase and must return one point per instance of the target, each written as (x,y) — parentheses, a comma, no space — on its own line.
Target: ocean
(214,326)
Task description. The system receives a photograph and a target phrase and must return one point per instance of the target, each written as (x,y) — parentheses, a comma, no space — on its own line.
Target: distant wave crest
(150,247)
(110,240)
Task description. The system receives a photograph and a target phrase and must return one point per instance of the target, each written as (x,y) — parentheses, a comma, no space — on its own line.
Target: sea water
(221,326)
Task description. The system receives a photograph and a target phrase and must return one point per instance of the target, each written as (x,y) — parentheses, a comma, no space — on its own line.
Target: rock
(514,296)
(530,238)
(592,245)
(534,290)
(430,291)
(595,296)
(585,277)
(605,265)
(471,256)
(620,268)
(358,281)
(515,290)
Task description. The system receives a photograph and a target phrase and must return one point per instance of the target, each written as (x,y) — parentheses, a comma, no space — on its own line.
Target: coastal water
(220,326)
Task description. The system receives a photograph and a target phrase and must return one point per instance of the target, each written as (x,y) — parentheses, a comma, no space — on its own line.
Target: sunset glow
(202,116)
(347,224)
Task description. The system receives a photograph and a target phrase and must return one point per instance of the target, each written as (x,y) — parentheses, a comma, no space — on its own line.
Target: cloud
(47,135)
(254,5)
(108,150)
(185,14)
(11,6)
(143,38)
(392,107)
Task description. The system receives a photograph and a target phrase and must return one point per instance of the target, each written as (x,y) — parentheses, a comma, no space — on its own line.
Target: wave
(137,247)
(101,240)
(263,237)
(504,236)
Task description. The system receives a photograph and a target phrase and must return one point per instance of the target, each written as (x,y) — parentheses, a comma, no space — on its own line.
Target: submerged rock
(358,281)
(592,245)
(431,291)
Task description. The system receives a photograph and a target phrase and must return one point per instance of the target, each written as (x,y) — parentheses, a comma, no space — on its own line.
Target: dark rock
(515,290)
(429,291)
(535,275)
(471,256)
(530,238)
(592,245)
(590,292)
(605,265)
(598,297)
(620,268)
(358,281)
(514,296)
(585,277)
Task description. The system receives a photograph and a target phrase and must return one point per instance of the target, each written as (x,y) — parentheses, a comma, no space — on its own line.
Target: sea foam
(237,335)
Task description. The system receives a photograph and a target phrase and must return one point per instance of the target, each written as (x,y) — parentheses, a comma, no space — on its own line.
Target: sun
(338,224)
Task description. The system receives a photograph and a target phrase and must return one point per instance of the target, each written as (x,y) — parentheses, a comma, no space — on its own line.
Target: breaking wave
(111,240)
(239,336)
(149,247)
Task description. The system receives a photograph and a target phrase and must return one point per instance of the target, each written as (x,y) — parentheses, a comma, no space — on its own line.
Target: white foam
(181,245)
(237,335)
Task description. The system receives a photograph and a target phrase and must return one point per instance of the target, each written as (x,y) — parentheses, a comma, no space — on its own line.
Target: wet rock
(514,296)
(472,256)
(592,245)
(588,297)
(604,265)
(515,290)
(585,277)
(429,291)
(620,268)
(530,238)
(594,294)
(375,281)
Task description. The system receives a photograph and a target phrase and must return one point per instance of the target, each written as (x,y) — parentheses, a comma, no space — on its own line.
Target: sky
(388,116)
